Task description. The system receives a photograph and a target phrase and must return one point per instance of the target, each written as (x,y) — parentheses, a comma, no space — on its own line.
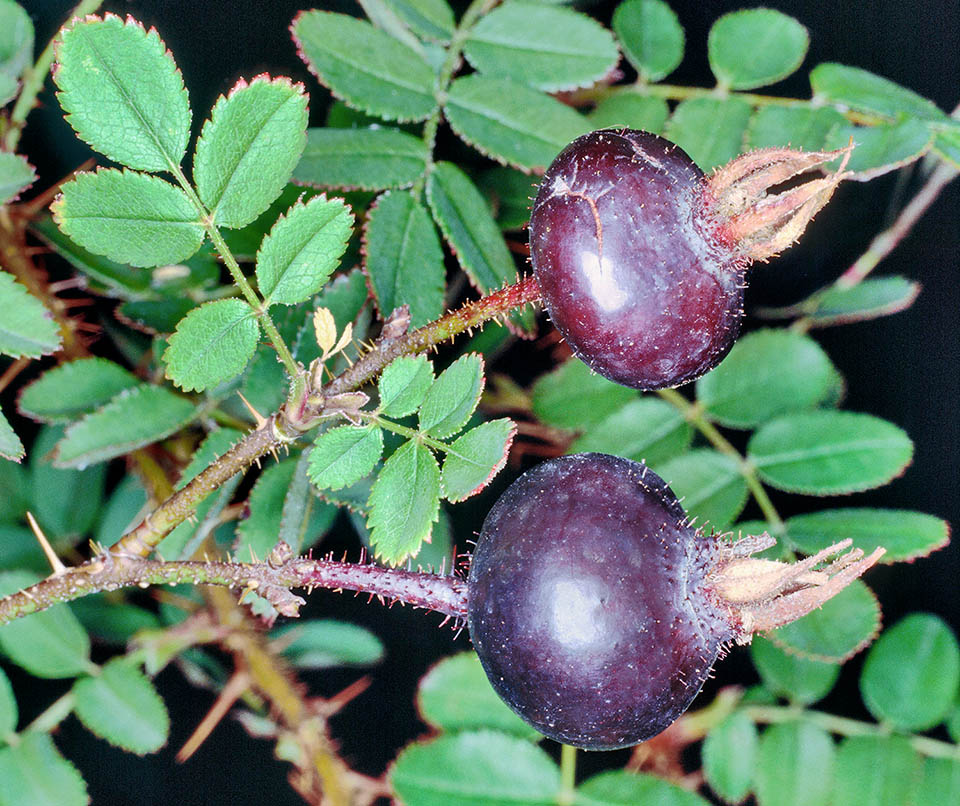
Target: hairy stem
(272,580)
(34,78)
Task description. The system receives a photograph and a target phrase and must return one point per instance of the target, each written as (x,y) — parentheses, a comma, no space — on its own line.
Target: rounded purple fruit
(641,259)
(597,611)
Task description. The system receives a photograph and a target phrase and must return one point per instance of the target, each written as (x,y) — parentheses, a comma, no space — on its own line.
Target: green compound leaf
(16,175)
(129,217)
(511,122)
(796,126)
(361,159)
(304,519)
(633,111)
(939,781)
(795,758)
(455,695)
(869,299)
(730,756)
(622,788)
(453,397)
(799,680)
(212,344)
(574,397)
(711,131)
(651,37)
(475,458)
(344,455)
(404,259)
(904,534)
(881,149)
(468,226)
(912,673)
(50,643)
(34,772)
(404,503)
(829,452)
(249,148)
(709,484)
(866,92)
(475,768)
(755,47)
(364,66)
(548,47)
(877,771)
(121,705)
(767,373)
(123,93)
(73,389)
(302,250)
(8,707)
(404,384)
(838,630)
(65,502)
(134,418)
(10,445)
(328,644)
(430,19)
(27,329)
(645,429)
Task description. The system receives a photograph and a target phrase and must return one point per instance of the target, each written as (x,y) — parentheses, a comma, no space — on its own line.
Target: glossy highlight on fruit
(597,611)
(642,259)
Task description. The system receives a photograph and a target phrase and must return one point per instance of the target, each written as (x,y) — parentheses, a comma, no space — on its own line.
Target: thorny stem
(272,580)
(694,415)
(34,78)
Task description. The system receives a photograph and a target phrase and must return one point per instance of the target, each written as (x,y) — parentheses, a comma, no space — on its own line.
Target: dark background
(903,368)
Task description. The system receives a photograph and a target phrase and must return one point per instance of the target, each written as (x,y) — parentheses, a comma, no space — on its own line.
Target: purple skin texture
(632,274)
(586,602)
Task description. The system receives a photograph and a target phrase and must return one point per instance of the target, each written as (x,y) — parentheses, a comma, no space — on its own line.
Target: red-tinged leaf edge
(877,627)
(495,469)
(30,184)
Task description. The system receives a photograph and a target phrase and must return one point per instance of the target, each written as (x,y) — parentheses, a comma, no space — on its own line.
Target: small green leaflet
(571,396)
(404,259)
(430,19)
(904,534)
(710,130)
(16,175)
(475,458)
(866,92)
(34,772)
(755,47)
(623,788)
(404,503)
(121,705)
(509,193)
(549,47)
(213,343)
(796,678)
(27,329)
(51,643)
(511,122)
(881,149)
(129,217)
(829,452)
(257,534)
(249,147)
(797,126)
(365,66)
(122,92)
(795,757)
(73,389)
(878,771)
(869,299)
(16,40)
(328,644)
(10,445)
(455,695)
(302,250)
(361,159)
(134,418)
(483,768)
(729,754)
(633,111)
(8,707)
(404,384)
(453,397)
(651,37)
(709,484)
(912,673)
(344,455)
